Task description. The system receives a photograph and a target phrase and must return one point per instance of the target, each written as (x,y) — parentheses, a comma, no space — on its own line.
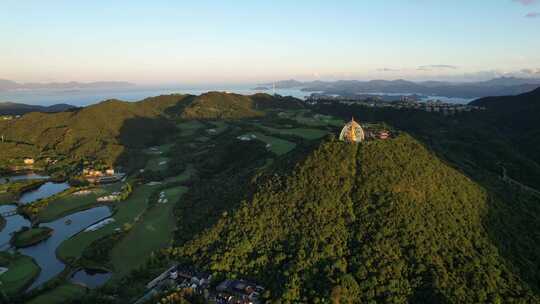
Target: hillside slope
(217,105)
(384,221)
(517,118)
(102,131)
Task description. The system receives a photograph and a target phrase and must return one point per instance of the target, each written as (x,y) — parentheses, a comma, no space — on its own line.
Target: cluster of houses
(437,106)
(238,291)
(404,103)
(96,176)
(226,292)
(9,117)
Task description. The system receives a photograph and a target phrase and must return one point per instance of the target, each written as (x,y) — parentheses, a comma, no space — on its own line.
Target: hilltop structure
(352,132)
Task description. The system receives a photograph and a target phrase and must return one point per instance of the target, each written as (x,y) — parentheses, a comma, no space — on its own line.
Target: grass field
(154,231)
(187,174)
(310,119)
(31,236)
(127,212)
(278,146)
(220,127)
(300,132)
(189,128)
(159,149)
(65,293)
(157,164)
(73,203)
(21,272)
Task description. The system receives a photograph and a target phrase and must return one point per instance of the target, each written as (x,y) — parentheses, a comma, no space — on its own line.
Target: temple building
(352,132)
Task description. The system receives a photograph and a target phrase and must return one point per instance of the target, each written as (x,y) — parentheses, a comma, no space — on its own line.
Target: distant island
(495,87)
(12,108)
(7,85)
(261,88)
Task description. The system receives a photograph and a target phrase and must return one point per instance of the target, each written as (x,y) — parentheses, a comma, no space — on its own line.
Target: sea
(85,97)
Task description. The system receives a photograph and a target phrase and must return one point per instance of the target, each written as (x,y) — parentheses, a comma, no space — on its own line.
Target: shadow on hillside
(139,133)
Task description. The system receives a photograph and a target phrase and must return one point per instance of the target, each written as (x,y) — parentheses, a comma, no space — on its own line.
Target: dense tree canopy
(384,221)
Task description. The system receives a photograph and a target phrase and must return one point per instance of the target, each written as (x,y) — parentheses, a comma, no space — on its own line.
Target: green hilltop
(379,222)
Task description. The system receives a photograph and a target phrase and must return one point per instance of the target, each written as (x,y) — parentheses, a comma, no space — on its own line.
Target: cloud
(531,71)
(436,67)
(532,15)
(525,2)
(388,70)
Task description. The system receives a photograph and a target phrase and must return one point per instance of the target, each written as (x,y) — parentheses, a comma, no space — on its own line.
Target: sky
(194,42)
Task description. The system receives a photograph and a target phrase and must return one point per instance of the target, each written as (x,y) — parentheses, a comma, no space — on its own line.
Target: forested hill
(517,118)
(378,222)
(108,131)
(11,108)
(102,131)
(525,100)
(219,105)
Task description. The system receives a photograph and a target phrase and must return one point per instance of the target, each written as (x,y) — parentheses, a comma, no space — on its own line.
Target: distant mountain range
(11,108)
(6,85)
(494,87)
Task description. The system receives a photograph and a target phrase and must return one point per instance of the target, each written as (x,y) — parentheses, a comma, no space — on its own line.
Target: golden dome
(352,132)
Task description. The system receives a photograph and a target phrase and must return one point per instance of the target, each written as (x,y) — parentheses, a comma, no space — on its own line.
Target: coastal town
(399,103)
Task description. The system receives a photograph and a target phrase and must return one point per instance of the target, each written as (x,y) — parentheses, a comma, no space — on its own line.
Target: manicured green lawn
(278,146)
(21,272)
(187,174)
(31,236)
(156,164)
(189,128)
(73,203)
(16,187)
(310,119)
(300,132)
(65,293)
(127,212)
(154,231)
(220,127)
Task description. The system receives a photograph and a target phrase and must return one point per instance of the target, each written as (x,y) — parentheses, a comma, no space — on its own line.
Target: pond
(91,278)
(28,176)
(44,191)
(13,223)
(45,252)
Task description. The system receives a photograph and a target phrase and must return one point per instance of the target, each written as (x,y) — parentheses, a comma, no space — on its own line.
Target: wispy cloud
(432,67)
(387,70)
(532,15)
(526,2)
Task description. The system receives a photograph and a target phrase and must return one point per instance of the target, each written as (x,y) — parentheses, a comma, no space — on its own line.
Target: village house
(28,161)
(384,134)
(101,176)
(238,291)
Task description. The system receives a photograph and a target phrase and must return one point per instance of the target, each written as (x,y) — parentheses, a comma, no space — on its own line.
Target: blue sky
(255,41)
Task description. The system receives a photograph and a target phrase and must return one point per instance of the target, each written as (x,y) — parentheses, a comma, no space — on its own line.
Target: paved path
(510,180)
